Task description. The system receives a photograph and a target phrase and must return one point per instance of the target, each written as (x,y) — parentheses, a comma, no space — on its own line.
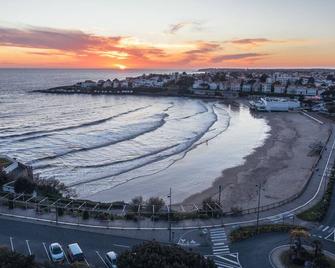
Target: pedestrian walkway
(219,241)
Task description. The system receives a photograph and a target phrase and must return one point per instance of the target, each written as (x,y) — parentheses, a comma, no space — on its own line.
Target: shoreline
(273,164)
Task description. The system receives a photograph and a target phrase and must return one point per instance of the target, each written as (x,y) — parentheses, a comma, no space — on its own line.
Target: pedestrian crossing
(325,232)
(222,256)
(219,241)
(227,261)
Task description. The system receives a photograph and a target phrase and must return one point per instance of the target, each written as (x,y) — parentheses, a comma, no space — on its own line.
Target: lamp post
(169,216)
(220,190)
(259,186)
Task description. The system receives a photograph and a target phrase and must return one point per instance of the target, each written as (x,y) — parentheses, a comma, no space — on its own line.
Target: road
(28,238)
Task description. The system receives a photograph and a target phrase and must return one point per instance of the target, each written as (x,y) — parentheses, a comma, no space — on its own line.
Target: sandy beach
(283,164)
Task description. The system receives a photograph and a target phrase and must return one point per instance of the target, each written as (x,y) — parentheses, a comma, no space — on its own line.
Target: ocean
(112,148)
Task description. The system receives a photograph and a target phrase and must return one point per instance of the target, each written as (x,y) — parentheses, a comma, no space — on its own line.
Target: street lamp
(169,217)
(259,186)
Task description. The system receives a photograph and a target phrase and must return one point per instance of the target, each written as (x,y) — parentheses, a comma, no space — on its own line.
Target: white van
(75,253)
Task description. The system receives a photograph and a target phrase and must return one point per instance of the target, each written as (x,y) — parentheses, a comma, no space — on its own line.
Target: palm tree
(317,246)
(296,236)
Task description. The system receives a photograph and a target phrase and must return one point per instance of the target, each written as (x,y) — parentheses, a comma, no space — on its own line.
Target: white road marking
(86,262)
(67,260)
(325,229)
(229,260)
(122,246)
(101,258)
(320,227)
(46,251)
(27,242)
(11,243)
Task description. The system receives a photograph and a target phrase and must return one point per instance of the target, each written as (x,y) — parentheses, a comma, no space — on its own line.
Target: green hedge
(243,233)
(319,211)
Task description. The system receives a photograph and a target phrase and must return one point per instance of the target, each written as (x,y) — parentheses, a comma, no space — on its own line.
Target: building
(116,83)
(107,84)
(15,169)
(266,87)
(279,88)
(88,84)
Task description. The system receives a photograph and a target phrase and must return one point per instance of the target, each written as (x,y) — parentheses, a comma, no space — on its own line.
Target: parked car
(111,258)
(56,252)
(75,253)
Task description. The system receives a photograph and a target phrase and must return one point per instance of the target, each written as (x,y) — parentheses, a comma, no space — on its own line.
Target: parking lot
(33,239)
(93,257)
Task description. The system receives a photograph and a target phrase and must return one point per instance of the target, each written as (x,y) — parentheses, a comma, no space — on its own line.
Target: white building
(279,89)
(247,87)
(266,87)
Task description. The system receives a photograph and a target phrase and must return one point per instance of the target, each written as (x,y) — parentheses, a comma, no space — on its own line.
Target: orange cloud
(47,47)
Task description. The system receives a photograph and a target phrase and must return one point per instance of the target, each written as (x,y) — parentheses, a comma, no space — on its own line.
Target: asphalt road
(28,238)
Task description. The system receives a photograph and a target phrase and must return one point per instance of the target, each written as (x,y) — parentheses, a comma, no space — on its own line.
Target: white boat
(274,105)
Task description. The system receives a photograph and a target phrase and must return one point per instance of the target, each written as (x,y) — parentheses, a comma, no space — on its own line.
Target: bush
(236,211)
(53,188)
(60,212)
(10,259)
(24,185)
(250,231)
(153,255)
(86,215)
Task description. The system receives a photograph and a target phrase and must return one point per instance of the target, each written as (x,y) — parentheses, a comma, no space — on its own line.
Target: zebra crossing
(325,232)
(227,261)
(219,241)
(222,256)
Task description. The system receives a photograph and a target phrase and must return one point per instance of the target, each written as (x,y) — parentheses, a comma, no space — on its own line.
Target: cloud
(75,42)
(174,28)
(47,38)
(250,41)
(240,56)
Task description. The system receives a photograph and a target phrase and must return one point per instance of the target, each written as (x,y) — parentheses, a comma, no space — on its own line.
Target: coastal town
(314,88)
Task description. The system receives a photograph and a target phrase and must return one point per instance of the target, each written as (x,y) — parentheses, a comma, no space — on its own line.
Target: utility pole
(169,216)
(220,190)
(259,204)
(56,214)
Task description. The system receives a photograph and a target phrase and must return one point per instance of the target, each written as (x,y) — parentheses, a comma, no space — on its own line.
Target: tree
(317,246)
(10,259)
(297,249)
(24,185)
(155,201)
(135,202)
(153,255)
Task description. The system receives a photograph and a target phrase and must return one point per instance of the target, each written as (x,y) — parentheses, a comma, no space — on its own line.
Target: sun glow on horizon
(120,66)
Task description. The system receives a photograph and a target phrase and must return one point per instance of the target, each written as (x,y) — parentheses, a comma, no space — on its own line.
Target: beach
(282,165)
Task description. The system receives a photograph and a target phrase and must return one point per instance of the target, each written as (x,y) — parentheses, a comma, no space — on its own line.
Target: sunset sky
(167,34)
